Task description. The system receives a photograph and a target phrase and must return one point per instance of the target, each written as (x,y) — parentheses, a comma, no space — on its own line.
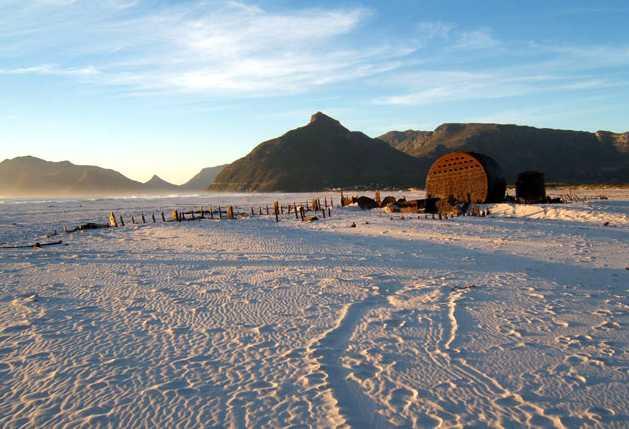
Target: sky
(169,87)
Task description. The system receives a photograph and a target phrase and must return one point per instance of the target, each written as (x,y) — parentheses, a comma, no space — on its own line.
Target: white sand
(518,319)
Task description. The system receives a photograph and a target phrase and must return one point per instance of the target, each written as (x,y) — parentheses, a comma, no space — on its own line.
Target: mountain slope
(407,141)
(564,156)
(156,183)
(31,176)
(28,175)
(322,154)
(202,180)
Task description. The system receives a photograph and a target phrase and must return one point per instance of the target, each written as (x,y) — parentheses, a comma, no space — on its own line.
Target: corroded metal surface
(465,176)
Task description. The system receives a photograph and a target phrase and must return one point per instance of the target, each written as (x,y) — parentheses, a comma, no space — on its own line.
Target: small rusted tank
(530,187)
(466,177)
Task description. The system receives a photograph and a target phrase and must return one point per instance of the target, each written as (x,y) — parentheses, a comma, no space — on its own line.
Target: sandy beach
(517,319)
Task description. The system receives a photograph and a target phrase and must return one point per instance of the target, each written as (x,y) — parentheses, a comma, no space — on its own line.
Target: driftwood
(34,246)
(88,226)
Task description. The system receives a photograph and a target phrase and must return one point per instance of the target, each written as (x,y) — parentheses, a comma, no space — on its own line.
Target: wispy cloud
(50,70)
(209,47)
(455,73)
(431,87)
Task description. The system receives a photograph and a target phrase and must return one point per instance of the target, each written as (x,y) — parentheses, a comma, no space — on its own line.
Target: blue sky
(170,87)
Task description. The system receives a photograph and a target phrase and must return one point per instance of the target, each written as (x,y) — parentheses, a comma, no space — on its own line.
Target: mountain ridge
(319,155)
(563,155)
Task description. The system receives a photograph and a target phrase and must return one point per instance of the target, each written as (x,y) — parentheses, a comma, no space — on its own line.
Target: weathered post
(323,212)
(302,213)
(378,200)
(220,215)
(295,209)
(133,220)
(252,213)
(163,217)
(276,209)
(112,220)
(121,221)
(260,211)
(153,216)
(267,209)
(325,202)
(307,208)
(192,213)
(230,212)
(143,218)
(342,200)
(329,212)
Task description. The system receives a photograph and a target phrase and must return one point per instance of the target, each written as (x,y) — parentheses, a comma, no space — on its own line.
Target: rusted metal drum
(466,177)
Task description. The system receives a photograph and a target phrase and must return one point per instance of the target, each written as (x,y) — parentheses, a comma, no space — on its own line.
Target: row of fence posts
(278,210)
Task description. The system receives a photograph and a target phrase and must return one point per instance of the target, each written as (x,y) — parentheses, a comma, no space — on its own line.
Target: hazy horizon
(168,88)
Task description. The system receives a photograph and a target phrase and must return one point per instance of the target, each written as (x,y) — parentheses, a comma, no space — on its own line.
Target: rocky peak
(322,120)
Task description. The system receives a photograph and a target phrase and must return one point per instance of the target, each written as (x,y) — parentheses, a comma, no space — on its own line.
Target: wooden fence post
(121,221)
(276,209)
(295,209)
(230,212)
(112,220)
(133,220)
(163,217)
(143,218)
(220,214)
(153,216)
(329,212)
(252,213)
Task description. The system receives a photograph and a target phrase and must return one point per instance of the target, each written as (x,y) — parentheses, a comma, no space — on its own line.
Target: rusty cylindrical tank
(466,177)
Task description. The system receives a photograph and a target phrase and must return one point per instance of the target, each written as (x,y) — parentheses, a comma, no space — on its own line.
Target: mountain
(31,176)
(202,180)
(322,154)
(406,141)
(564,156)
(156,183)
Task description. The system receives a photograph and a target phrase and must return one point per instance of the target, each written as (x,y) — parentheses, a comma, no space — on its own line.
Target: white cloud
(206,47)
(430,87)
(50,70)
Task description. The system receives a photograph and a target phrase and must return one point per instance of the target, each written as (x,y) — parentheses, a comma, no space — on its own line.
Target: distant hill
(202,180)
(564,156)
(31,176)
(406,141)
(322,154)
(156,183)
